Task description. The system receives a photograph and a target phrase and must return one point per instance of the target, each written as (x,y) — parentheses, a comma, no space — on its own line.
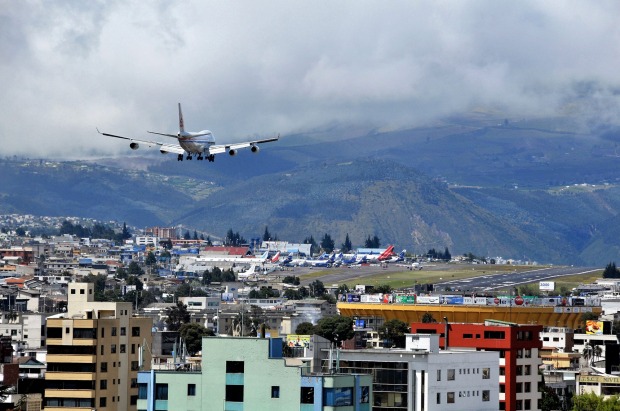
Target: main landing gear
(210,158)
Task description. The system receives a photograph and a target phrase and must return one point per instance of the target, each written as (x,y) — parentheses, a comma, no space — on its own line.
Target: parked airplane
(376,258)
(323,261)
(200,143)
(235,259)
(275,258)
(396,258)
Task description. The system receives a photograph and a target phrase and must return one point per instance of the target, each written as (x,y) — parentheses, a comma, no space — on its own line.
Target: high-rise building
(95,350)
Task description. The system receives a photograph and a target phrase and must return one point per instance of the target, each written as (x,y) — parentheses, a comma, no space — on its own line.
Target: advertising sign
(546,285)
(594,327)
(405,299)
(353,298)
(294,340)
(428,299)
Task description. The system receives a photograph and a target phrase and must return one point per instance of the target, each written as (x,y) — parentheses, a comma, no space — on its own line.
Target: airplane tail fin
(181,125)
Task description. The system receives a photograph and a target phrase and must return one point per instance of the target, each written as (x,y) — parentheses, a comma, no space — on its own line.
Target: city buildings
(95,351)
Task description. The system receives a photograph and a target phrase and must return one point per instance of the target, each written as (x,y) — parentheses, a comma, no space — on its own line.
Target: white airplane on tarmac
(201,143)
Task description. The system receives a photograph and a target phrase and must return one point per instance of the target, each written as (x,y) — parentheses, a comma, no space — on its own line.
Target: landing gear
(180,157)
(211,158)
(199,157)
(189,156)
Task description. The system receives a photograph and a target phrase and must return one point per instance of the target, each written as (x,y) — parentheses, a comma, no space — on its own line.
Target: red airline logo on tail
(276,258)
(386,254)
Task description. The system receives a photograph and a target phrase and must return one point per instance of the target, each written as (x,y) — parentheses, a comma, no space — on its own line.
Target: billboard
(294,340)
(405,299)
(594,327)
(546,285)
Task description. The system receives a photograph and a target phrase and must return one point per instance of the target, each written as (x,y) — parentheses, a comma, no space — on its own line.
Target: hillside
(541,189)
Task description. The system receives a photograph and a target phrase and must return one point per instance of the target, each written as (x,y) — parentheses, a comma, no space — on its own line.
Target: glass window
(191,390)
(234,393)
(135,331)
(123,348)
(451,374)
(438,375)
(103,384)
(142,391)
(338,397)
(438,398)
(113,331)
(113,348)
(486,395)
(365,395)
(123,331)
(161,391)
(275,391)
(234,367)
(307,395)
(486,373)
(450,398)
(102,400)
(104,367)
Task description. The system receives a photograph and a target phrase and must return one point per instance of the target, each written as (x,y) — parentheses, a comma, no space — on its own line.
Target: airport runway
(340,275)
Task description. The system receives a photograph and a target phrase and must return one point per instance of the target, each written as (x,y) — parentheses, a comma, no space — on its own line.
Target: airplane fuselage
(197,143)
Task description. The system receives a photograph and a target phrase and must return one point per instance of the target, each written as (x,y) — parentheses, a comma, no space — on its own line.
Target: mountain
(538,189)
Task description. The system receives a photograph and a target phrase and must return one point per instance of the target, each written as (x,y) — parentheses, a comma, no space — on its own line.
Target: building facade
(95,351)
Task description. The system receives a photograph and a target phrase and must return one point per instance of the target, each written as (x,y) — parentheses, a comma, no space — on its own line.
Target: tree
(335,328)
(266,235)
(291,279)
(383,289)
(373,242)
(611,271)
(549,399)
(317,288)
(313,246)
(342,289)
(177,316)
(393,333)
(446,255)
(305,328)
(187,235)
(134,280)
(264,292)
(327,243)
(125,234)
(195,235)
(233,238)
(428,318)
(134,269)
(150,259)
(593,402)
(192,334)
(346,246)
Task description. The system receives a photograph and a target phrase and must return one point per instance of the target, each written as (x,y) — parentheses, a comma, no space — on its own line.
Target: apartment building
(95,351)
(518,347)
(244,373)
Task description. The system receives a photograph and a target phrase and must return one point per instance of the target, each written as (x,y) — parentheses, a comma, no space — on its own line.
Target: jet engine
(133,145)
(254,149)
(232,152)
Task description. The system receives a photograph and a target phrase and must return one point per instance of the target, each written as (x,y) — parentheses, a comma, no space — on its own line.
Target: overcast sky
(253,68)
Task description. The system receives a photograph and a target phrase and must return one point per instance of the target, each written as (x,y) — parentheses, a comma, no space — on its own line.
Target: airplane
(275,258)
(396,258)
(322,261)
(200,143)
(375,258)
(235,259)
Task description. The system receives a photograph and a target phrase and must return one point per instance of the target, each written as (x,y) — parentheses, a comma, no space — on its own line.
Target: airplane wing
(164,148)
(223,148)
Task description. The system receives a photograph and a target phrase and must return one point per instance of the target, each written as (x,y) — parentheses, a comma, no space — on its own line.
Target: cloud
(250,68)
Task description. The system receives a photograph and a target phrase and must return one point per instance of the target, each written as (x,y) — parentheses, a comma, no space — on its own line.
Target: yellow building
(94,353)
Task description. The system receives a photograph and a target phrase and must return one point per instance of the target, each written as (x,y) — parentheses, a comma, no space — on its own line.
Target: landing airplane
(200,143)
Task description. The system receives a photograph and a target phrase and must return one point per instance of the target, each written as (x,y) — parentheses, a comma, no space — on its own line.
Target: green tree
(313,246)
(383,289)
(549,399)
(177,316)
(305,328)
(335,328)
(393,333)
(327,243)
(317,288)
(346,246)
(587,402)
(266,235)
(121,273)
(611,271)
(264,292)
(428,318)
(291,279)
(195,235)
(150,259)
(187,235)
(373,242)
(342,289)
(125,234)
(134,280)
(192,334)
(134,269)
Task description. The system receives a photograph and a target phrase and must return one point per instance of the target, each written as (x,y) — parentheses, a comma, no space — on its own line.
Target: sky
(250,68)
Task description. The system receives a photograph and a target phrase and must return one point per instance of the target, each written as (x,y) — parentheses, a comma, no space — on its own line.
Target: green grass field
(406,278)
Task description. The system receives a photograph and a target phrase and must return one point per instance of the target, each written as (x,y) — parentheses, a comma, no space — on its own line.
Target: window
(67,330)
(102,400)
(307,395)
(103,384)
(486,373)
(527,387)
(519,387)
(450,398)
(102,332)
(486,395)
(161,391)
(234,393)
(275,391)
(134,366)
(113,331)
(123,348)
(527,404)
(234,367)
(133,348)
(113,349)
(72,291)
(123,331)
(82,292)
(438,376)
(527,370)
(104,367)
(135,331)
(102,350)
(365,395)
(142,391)
(451,375)
(338,397)
(133,400)
(438,398)
(191,390)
